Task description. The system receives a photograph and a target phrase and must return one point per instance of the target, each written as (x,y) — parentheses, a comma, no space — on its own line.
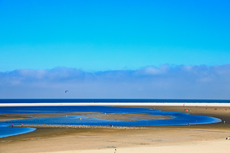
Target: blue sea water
(114,100)
(178,118)
(11,131)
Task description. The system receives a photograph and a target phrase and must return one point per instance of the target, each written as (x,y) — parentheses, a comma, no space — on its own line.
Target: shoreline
(222,113)
(179,138)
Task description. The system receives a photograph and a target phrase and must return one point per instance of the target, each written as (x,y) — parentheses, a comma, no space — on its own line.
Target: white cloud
(150,82)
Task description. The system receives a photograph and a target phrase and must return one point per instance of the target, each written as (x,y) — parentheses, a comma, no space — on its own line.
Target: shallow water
(10,131)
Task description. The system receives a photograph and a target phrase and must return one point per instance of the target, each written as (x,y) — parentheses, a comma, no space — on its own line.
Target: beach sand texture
(196,138)
(217,146)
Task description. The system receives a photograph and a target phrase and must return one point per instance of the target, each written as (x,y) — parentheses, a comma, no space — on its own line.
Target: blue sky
(112,36)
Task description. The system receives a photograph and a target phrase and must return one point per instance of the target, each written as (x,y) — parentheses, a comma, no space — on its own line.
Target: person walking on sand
(115,151)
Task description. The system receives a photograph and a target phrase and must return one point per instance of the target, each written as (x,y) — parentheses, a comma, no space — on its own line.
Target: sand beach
(208,138)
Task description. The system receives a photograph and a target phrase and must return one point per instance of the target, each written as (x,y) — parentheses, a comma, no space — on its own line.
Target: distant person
(115,151)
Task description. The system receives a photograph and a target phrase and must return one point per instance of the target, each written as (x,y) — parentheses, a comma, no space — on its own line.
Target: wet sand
(194,138)
(5,117)
(220,112)
(127,117)
(116,116)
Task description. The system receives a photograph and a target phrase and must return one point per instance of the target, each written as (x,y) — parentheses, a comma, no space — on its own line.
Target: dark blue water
(179,118)
(113,100)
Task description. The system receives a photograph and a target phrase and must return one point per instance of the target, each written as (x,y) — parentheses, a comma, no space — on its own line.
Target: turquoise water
(11,131)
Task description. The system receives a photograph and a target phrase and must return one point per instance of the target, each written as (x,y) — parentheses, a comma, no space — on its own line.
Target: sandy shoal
(104,116)
(7,117)
(196,138)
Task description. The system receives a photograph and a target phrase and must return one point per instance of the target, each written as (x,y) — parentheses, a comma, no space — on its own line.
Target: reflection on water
(179,118)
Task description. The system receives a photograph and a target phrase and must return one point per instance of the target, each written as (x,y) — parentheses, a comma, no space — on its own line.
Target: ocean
(114,100)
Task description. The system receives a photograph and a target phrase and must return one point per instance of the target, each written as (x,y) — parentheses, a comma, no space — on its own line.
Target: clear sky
(112,35)
(93,36)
